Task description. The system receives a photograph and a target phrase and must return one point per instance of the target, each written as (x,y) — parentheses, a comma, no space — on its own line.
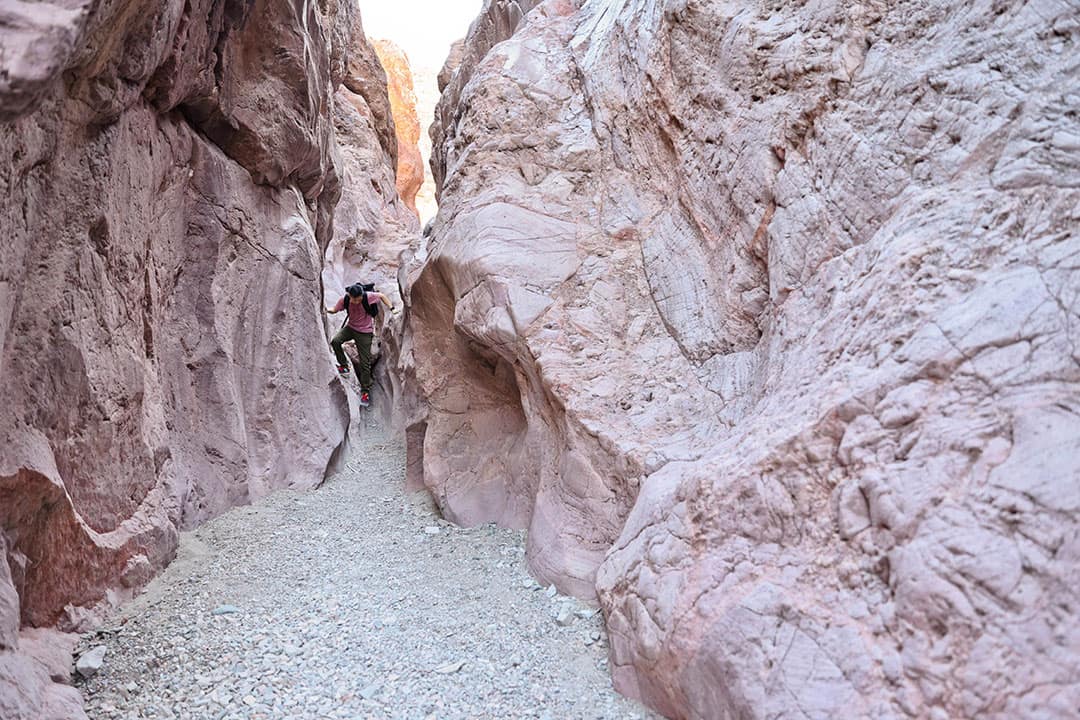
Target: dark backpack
(372,310)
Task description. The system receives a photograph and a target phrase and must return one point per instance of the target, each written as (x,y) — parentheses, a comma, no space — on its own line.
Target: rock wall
(426,82)
(410,167)
(171,176)
(763,318)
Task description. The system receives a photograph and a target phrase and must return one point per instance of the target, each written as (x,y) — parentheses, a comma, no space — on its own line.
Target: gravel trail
(352,601)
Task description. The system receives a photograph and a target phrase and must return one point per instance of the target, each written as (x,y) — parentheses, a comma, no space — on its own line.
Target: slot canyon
(729,365)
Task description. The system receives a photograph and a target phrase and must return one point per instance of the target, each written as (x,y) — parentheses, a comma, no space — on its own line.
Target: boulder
(90,662)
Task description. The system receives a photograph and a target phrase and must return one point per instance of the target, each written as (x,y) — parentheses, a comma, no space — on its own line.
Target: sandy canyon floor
(352,601)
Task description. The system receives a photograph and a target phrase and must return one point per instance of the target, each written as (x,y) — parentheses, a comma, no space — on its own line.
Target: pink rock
(410,167)
(762,320)
(171,176)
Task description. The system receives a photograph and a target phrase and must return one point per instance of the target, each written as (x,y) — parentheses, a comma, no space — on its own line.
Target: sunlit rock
(410,167)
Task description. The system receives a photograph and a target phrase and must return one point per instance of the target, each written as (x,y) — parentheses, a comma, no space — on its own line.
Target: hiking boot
(342,370)
(365,399)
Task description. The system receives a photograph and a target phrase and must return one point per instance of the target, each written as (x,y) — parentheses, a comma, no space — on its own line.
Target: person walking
(361,306)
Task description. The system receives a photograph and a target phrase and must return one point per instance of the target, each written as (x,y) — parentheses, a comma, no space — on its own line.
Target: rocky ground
(352,601)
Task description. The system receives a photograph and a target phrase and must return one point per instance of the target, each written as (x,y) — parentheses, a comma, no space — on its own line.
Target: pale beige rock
(763,320)
(425,79)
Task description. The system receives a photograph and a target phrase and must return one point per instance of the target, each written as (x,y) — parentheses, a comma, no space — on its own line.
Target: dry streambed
(352,601)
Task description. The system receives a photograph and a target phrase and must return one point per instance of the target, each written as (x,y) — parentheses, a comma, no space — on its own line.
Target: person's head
(360,288)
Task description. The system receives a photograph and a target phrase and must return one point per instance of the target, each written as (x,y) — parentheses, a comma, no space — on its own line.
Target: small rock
(565,616)
(450,668)
(90,662)
(552,591)
(431,530)
(225,610)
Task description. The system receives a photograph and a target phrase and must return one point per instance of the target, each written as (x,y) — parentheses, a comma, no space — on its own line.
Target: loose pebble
(354,600)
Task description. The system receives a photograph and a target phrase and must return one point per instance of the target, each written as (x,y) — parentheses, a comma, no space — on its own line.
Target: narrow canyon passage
(352,601)
(760,321)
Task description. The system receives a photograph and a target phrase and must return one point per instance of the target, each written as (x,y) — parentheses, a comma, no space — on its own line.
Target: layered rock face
(170,175)
(764,320)
(372,223)
(410,167)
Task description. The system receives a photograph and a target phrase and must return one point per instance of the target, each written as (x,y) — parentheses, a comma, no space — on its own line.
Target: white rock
(90,662)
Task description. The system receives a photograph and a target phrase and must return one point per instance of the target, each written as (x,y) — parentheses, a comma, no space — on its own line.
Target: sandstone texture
(170,178)
(426,84)
(399,81)
(763,319)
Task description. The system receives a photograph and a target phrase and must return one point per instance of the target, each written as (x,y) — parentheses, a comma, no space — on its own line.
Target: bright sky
(424,29)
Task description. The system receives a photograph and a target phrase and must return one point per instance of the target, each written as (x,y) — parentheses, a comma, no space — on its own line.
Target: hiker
(360,328)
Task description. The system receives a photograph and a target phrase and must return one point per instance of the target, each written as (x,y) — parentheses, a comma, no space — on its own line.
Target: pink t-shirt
(359,320)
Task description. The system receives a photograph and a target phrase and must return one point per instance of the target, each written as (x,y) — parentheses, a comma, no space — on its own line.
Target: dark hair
(360,288)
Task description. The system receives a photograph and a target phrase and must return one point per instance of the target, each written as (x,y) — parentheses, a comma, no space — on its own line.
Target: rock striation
(171,181)
(763,319)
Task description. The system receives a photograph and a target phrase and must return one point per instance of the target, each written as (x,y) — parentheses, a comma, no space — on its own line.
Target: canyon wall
(171,181)
(399,75)
(372,223)
(763,319)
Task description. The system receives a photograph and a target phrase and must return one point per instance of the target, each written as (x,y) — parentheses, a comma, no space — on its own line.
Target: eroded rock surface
(763,320)
(399,81)
(170,176)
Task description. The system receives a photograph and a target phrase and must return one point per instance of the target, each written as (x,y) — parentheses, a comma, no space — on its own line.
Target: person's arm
(386,301)
(337,308)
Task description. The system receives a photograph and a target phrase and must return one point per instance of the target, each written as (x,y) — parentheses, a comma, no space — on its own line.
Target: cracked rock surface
(352,601)
(764,320)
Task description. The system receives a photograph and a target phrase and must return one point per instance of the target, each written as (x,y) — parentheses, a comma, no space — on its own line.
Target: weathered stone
(225,610)
(399,81)
(763,321)
(170,175)
(453,62)
(90,662)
